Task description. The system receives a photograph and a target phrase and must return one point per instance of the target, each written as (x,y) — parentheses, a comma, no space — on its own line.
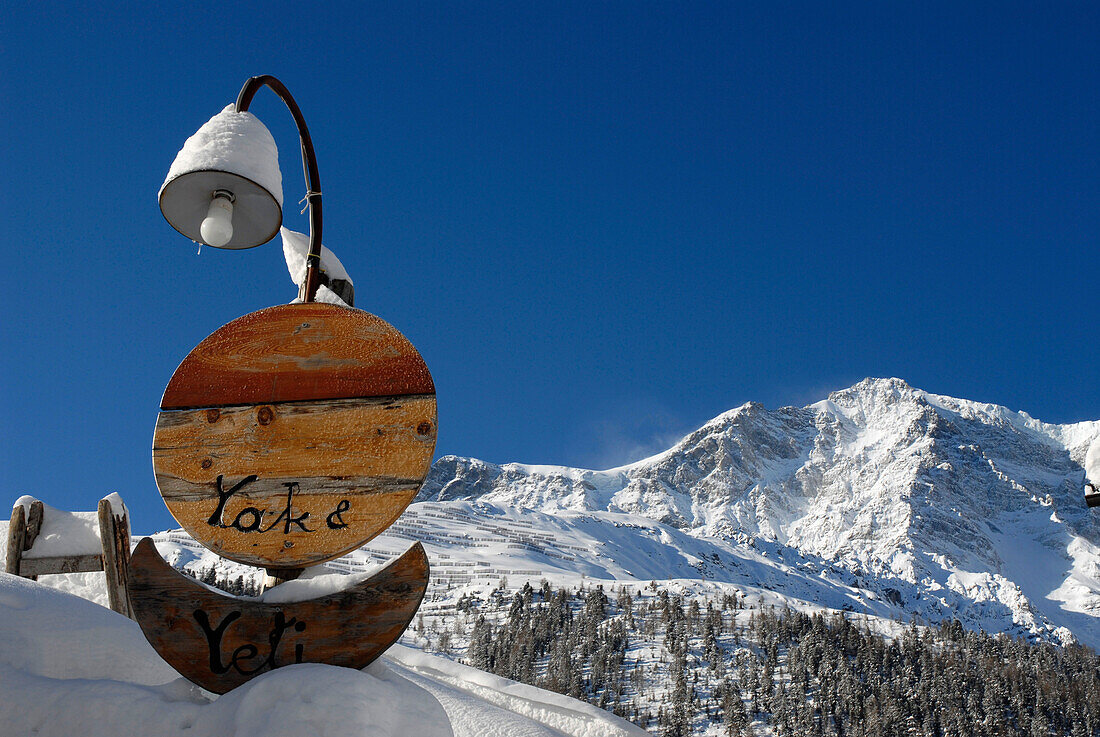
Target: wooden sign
(220,641)
(294,434)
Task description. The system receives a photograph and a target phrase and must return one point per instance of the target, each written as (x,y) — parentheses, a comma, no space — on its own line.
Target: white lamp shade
(233,152)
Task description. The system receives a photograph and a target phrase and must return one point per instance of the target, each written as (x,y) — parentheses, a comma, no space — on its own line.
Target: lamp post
(287,438)
(224,188)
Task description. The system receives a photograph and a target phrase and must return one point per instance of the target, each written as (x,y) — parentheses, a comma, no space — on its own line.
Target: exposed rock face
(922,492)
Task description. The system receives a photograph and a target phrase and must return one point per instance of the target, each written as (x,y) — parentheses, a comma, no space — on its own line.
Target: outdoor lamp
(225,190)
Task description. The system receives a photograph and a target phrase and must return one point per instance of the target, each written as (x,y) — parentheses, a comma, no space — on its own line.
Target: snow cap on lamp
(231,159)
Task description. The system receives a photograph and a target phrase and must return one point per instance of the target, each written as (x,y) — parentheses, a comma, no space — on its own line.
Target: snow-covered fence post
(71,546)
(17,535)
(114,534)
(22,531)
(17,532)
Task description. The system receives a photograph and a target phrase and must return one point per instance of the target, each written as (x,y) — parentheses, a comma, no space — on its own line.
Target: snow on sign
(294,434)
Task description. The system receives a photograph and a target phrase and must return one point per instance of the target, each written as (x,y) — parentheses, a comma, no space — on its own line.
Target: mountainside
(747,574)
(935,506)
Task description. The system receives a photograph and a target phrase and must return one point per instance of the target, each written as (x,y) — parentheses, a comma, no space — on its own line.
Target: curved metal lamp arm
(309,166)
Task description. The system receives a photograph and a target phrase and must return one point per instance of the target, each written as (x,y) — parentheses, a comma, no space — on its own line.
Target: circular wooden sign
(295,434)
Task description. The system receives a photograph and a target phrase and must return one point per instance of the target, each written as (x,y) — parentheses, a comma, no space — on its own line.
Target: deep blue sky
(601,223)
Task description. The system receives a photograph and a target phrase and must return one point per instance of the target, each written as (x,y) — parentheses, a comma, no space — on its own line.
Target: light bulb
(217,228)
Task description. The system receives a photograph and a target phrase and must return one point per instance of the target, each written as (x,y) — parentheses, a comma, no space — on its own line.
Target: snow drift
(72,667)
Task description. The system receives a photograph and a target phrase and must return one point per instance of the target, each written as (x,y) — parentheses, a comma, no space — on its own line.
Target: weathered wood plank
(273,490)
(114,534)
(220,641)
(34,524)
(259,484)
(293,531)
(349,437)
(298,352)
(17,532)
(68,564)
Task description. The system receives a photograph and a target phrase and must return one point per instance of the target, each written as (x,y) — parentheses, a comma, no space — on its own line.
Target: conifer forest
(686,666)
(721,666)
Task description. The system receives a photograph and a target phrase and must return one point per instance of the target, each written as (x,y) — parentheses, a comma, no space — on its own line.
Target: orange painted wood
(290,353)
(220,641)
(295,434)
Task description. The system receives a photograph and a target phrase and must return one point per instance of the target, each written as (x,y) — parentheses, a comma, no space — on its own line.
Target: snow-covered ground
(71,667)
(475,546)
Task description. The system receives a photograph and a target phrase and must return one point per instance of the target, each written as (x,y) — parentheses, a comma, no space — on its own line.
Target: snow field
(71,667)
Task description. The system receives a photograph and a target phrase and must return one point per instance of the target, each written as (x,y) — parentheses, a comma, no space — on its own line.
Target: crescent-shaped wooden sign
(295,434)
(220,641)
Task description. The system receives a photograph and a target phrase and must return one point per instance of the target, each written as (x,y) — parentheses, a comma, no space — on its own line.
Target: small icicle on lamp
(224,188)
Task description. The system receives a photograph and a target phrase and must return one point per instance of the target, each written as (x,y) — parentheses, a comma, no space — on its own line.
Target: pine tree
(734,718)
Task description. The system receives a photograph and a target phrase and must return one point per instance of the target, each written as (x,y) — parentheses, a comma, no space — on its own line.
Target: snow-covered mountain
(930,505)
(882,500)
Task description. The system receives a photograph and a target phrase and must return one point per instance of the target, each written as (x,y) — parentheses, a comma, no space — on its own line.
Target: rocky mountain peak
(881,477)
